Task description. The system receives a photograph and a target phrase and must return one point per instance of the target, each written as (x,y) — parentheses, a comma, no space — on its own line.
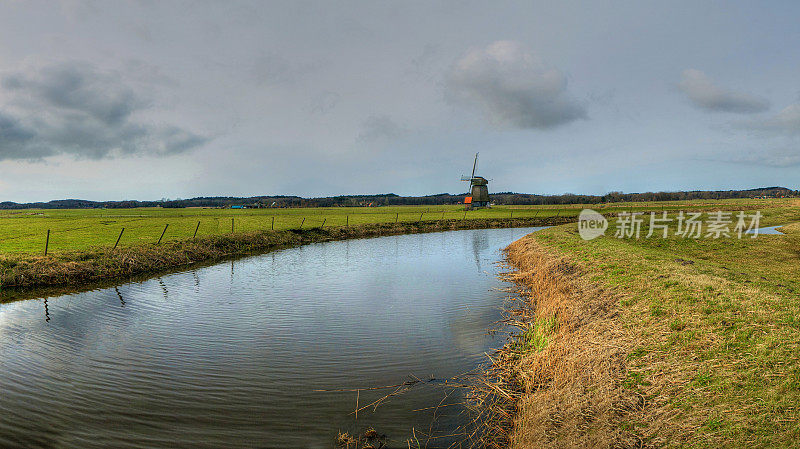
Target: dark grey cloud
(74,88)
(13,136)
(512,87)
(706,95)
(72,108)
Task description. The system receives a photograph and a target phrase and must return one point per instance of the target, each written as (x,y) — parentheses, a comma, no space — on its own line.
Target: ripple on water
(230,355)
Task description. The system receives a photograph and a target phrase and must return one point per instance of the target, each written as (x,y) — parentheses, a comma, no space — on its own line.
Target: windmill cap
(479,180)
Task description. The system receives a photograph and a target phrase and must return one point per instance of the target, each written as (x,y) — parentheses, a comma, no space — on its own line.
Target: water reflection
(480,243)
(163,288)
(119,295)
(234,361)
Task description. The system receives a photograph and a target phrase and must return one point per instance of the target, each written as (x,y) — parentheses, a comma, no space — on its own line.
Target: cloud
(706,95)
(273,69)
(75,109)
(780,158)
(512,87)
(774,158)
(13,137)
(778,139)
(324,102)
(786,122)
(380,128)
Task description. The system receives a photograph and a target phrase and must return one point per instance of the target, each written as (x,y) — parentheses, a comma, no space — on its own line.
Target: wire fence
(39,233)
(48,231)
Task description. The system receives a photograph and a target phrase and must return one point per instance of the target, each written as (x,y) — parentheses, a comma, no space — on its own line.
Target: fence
(113,231)
(38,232)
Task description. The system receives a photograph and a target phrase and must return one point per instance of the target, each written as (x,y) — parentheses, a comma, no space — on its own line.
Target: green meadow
(25,231)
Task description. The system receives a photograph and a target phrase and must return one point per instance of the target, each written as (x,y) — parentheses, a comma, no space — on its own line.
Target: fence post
(465,215)
(231,225)
(272,226)
(47,242)
(196,229)
(537,213)
(420,217)
(558,213)
(301,223)
(323,223)
(442,215)
(118,238)
(396,216)
(347,221)
(512,214)
(162,233)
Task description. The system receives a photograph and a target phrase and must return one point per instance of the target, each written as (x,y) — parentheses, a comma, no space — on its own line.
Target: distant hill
(390,199)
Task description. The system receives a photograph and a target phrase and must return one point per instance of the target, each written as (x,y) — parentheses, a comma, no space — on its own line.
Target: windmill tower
(478,189)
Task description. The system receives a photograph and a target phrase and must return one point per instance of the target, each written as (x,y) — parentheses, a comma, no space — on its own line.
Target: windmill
(478,189)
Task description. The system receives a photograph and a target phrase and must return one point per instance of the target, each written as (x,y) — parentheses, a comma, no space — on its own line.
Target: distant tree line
(618,197)
(390,199)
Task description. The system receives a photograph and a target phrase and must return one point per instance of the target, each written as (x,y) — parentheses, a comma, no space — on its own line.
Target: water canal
(232,355)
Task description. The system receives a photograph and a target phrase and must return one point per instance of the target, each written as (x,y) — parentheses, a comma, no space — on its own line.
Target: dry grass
(370,439)
(557,396)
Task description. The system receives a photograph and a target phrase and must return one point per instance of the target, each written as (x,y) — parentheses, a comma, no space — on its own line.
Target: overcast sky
(112,100)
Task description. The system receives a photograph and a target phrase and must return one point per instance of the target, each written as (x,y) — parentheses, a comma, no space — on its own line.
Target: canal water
(770,230)
(233,355)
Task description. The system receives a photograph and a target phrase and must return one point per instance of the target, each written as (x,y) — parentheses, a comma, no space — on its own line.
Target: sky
(146,100)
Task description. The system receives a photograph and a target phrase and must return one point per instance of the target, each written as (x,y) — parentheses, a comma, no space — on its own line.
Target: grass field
(703,333)
(25,231)
(81,229)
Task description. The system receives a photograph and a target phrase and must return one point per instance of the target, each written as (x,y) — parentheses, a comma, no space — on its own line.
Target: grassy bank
(654,342)
(73,268)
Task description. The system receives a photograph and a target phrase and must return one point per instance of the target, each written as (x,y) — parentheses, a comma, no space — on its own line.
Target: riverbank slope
(654,342)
